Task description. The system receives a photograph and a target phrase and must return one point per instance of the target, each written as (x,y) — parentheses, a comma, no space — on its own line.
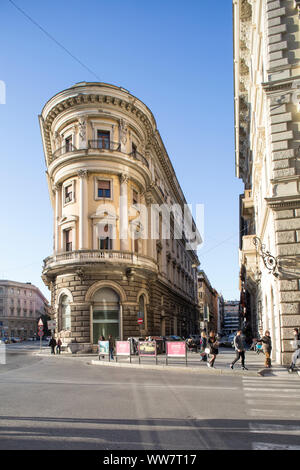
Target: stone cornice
(279,203)
(153,135)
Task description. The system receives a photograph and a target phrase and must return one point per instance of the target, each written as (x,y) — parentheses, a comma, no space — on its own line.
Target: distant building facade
(21,304)
(232,320)
(106,162)
(208,299)
(267,129)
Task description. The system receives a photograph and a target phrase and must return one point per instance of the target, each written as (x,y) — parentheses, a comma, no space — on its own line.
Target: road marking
(256,389)
(269,446)
(264,412)
(258,428)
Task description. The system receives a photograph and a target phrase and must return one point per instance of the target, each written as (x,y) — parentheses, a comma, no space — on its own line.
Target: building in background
(114,270)
(232,320)
(267,130)
(208,299)
(21,305)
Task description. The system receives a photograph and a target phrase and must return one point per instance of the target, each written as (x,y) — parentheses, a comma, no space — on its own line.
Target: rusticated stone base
(167,312)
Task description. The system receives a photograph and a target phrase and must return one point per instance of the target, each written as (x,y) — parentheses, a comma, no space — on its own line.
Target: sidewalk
(254,363)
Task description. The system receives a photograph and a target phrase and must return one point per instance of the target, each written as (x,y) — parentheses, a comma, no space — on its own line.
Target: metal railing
(99,145)
(103,144)
(62,150)
(138,156)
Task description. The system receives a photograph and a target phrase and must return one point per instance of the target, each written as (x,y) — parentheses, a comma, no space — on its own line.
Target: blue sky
(176,57)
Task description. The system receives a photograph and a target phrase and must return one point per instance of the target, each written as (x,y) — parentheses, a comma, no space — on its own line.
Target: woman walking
(213,346)
(267,348)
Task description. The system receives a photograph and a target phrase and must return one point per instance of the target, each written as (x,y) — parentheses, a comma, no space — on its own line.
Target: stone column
(83,223)
(123,212)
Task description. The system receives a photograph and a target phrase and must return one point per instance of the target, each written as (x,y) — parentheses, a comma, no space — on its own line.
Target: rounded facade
(106,167)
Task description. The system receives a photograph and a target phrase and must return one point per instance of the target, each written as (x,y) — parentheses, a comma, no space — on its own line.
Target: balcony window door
(105,241)
(68,144)
(103,139)
(68,240)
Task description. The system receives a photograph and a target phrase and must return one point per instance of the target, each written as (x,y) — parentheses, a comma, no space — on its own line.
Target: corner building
(267,130)
(105,160)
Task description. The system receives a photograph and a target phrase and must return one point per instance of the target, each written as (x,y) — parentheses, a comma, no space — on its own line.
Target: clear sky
(175,56)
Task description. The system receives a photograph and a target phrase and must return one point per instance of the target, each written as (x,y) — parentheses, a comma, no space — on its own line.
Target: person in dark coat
(213,345)
(267,348)
(58,346)
(239,347)
(52,344)
(111,346)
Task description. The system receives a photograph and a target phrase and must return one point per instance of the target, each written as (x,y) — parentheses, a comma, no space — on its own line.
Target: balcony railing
(104,145)
(99,145)
(96,256)
(62,150)
(138,156)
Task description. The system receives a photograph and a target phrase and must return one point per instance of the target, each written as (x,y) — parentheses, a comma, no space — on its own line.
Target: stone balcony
(95,257)
(98,147)
(247,204)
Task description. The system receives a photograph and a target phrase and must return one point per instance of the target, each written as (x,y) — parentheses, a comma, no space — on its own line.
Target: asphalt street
(66,403)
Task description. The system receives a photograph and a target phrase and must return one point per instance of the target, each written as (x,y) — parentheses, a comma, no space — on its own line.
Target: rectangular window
(68,193)
(68,144)
(68,240)
(104,189)
(103,139)
(105,243)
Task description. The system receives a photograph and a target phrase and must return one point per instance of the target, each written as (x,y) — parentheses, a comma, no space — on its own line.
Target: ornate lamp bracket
(270,261)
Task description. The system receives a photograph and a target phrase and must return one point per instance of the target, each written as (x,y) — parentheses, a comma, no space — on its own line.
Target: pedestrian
(58,346)
(296,345)
(52,344)
(111,346)
(253,345)
(267,348)
(212,345)
(101,338)
(203,345)
(239,347)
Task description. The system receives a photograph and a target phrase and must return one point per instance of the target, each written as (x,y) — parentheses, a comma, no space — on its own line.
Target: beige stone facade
(267,128)
(21,305)
(109,175)
(208,299)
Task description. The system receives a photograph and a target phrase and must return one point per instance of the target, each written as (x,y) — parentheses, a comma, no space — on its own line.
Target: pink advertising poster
(176,349)
(122,348)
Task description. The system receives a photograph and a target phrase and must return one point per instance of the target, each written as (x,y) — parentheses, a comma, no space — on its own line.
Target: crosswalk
(273,411)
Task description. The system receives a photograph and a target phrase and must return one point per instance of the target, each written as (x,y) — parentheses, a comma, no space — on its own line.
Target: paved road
(64,403)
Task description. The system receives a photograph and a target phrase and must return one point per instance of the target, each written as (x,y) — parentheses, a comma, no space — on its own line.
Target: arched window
(106,314)
(65,313)
(141,313)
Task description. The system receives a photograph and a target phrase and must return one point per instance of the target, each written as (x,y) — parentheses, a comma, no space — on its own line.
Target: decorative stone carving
(82,131)
(123,131)
(123,178)
(82,173)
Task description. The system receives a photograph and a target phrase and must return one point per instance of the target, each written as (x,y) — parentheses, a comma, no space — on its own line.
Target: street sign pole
(41,330)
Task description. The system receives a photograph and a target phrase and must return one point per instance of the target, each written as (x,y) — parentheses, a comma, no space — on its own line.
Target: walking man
(111,347)
(239,350)
(296,353)
(267,348)
(52,344)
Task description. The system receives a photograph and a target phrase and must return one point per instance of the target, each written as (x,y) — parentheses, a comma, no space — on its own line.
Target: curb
(200,370)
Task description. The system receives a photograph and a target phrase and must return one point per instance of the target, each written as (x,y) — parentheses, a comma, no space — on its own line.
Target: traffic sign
(140,321)
(41,333)
(40,323)
(41,328)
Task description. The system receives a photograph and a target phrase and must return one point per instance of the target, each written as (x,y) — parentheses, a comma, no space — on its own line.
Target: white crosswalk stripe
(275,400)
